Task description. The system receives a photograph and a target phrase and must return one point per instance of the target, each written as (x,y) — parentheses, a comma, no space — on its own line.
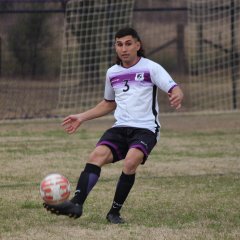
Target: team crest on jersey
(139,77)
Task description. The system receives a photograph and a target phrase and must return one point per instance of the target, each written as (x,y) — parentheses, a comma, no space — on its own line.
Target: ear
(138,45)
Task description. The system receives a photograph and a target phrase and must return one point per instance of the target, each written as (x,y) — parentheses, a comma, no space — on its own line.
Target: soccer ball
(54,188)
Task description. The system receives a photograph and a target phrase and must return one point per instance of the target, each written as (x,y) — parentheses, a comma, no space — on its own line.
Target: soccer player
(131,90)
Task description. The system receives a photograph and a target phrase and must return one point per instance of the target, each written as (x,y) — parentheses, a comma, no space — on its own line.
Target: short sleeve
(109,93)
(161,78)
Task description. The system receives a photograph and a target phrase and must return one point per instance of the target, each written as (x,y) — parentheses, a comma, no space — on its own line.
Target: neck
(130,64)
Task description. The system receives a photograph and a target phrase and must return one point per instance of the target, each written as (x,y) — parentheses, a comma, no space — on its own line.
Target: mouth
(125,55)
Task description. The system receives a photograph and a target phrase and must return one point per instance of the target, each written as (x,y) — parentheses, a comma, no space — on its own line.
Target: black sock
(124,186)
(86,182)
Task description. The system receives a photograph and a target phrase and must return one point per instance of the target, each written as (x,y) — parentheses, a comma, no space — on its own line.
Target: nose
(124,48)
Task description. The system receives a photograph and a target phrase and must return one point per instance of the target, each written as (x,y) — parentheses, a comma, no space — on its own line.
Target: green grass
(188,189)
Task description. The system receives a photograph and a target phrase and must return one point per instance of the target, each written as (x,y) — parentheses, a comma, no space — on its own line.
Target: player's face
(126,49)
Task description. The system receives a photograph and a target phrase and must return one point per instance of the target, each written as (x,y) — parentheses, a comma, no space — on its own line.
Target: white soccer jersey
(134,90)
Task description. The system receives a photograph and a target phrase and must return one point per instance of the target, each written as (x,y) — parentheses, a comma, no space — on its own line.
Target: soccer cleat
(115,218)
(67,208)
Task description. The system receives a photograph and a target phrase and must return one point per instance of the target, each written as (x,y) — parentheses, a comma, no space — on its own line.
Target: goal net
(214,48)
(88,50)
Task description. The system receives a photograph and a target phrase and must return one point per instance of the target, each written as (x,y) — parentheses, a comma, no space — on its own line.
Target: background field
(188,189)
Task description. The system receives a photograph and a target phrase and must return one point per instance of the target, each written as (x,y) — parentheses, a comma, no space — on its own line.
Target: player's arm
(72,122)
(165,82)
(175,96)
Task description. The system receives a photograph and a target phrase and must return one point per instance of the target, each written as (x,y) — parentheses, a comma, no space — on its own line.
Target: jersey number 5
(126,85)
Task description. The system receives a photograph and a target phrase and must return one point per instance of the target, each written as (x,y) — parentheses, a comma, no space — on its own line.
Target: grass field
(188,189)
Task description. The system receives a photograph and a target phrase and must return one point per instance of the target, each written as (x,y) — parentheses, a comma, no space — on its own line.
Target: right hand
(71,123)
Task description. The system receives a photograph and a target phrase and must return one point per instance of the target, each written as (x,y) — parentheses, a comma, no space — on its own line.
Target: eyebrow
(118,41)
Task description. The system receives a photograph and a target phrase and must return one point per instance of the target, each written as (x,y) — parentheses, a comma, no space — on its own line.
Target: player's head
(128,45)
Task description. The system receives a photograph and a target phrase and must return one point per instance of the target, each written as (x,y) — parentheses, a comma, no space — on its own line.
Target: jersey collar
(133,64)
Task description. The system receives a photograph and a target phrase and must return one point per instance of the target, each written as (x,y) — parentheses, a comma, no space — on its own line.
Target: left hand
(176,97)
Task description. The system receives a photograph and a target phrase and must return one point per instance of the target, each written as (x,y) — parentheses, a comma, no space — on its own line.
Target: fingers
(71,129)
(178,107)
(175,97)
(67,120)
(70,124)
(175,100)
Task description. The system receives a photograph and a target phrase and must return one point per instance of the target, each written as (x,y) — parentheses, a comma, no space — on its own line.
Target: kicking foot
(67,208)
(114,218)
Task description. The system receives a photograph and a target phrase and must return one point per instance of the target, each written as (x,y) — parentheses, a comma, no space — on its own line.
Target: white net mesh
(88,51)
(214,54)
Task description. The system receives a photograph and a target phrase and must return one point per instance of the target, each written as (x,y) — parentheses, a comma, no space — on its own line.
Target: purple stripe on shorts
(110,145)
(140,147)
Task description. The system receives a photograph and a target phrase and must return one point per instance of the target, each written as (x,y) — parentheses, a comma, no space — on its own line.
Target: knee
(129,166)
(100,156)
(96,156)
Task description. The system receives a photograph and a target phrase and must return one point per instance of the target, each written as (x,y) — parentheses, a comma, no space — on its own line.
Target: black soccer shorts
(121,139)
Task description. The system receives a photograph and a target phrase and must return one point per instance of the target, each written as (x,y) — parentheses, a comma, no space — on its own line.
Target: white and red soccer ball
(55,188)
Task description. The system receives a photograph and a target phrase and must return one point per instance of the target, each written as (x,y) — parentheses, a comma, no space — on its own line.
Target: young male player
(130,90)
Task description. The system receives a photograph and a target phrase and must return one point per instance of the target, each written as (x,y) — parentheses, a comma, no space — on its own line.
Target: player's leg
(133,159)
(87,180)
(141,143)
(89,176)
(107,151)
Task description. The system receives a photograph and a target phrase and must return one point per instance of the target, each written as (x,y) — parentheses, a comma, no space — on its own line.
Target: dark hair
(125,32)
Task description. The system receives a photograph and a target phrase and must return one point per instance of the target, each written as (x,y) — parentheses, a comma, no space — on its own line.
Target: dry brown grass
(188,189)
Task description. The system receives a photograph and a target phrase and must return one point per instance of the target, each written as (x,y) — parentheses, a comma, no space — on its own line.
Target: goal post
(89,49)
(214,54)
